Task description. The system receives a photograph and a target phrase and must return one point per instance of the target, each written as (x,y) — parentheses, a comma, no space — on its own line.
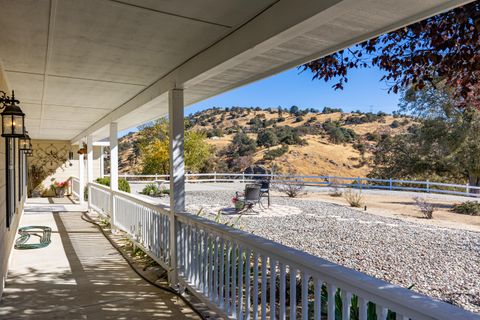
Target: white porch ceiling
(77,65)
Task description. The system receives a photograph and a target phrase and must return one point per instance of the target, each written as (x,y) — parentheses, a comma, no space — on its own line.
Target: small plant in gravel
(292,187)
(335,190)
(354,198)
(426,208)
(153,190)
(468,207)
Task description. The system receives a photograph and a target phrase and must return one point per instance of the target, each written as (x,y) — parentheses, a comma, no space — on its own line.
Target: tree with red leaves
(444,48)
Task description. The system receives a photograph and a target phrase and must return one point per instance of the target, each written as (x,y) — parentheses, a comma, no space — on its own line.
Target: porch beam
(101,143)
(281,22)
(177,172)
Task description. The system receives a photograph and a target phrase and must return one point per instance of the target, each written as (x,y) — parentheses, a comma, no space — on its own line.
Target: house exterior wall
(50,162)
(7,234)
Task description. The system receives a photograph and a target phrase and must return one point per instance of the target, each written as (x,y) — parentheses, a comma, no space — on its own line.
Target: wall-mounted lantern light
(13,118)
(25,143)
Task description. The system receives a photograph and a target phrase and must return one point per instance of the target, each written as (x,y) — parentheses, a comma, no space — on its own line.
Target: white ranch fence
(243,276)
(320,181)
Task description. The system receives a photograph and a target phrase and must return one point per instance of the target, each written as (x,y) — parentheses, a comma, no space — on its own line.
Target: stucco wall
(52,158)
(7,235)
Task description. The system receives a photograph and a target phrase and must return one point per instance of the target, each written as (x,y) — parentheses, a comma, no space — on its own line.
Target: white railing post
(215,177)
(81,178)
(467,188)
(177,174)
(391,184)
(102,164)
(428,186)
(89,168)
(113,170)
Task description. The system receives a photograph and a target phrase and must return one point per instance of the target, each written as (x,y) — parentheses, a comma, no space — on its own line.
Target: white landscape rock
(442,263)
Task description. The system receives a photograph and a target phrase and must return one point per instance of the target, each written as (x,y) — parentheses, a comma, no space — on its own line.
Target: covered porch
(92,69)
(80,275)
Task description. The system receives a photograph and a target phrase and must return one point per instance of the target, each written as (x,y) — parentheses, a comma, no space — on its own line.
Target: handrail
(199,261)
(395,297)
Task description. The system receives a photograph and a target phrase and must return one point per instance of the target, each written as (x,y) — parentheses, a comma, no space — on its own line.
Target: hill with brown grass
(332,143)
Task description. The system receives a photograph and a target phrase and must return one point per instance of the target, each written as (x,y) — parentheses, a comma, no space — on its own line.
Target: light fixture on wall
(25,143)
(13,118)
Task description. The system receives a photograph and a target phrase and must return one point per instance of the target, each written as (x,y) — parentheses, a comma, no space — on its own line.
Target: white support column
(113,168)
(89,167)
(102,160)
(177,173)
(81,178)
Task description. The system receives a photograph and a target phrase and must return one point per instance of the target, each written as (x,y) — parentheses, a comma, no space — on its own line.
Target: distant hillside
(318,143)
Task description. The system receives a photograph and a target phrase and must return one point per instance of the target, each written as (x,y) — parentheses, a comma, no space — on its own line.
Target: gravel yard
(442,263)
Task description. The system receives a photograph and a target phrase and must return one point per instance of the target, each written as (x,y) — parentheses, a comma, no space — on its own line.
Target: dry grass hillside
(318,156)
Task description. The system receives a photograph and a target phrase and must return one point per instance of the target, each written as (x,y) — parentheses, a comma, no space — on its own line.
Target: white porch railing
(322,181)
(75,187)
(244,276)
(100,198)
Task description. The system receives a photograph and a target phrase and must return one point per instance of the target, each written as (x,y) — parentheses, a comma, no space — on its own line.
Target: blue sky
(363,92)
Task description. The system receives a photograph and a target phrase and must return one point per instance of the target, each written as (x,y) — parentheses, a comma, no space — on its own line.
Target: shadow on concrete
(95,283)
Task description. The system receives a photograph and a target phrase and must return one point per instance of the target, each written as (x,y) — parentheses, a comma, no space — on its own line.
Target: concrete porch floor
(79,275)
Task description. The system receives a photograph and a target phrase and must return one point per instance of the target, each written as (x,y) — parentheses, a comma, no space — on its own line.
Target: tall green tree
(241,145)
(267,138)
(155,149)
(444,142)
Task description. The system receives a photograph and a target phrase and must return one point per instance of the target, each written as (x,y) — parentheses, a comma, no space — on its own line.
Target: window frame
(10,185)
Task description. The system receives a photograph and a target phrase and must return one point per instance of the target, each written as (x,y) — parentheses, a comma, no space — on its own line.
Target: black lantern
(13,118)
(25,143)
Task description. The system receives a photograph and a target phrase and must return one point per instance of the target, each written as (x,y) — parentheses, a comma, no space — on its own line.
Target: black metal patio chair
(251,197)
(265,190)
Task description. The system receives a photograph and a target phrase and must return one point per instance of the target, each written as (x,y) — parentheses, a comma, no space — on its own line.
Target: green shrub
(123,184)
(299,119)
(153,190)
(275,153)
(395,124)
(338,134)
(469,207)
(267,138)
(327,110)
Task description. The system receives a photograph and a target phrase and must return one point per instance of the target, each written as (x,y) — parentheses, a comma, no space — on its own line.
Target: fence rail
(321,181)
(244,276)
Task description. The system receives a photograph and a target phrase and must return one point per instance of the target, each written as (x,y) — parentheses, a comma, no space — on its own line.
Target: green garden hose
(26,232)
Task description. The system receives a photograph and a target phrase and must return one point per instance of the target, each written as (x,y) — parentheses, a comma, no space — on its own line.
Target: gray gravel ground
(442,263)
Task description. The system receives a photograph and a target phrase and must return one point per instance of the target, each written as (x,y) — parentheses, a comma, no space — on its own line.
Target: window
(20,174)
(10,186)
